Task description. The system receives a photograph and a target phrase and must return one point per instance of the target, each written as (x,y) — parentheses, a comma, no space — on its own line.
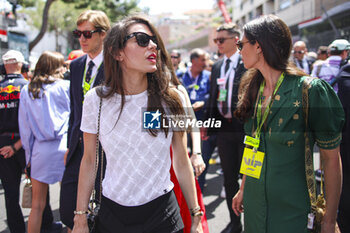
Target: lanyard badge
(252,162)
(195,87)
(87,86)
(193,94)
(222,95)
(250,141)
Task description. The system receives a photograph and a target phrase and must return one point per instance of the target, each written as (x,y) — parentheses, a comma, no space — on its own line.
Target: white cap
(13,54)
(340,45)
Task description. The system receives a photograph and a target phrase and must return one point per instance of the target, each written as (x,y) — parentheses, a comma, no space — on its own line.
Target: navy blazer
(75,135)
(212,111)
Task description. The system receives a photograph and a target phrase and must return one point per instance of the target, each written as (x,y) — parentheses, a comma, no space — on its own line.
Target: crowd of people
(53,124)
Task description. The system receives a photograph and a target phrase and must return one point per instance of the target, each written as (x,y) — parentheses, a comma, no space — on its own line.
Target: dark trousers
(69,185)
(230,148)
(344,204)
(47,219)
(69,188)
(10,174)
(208,147)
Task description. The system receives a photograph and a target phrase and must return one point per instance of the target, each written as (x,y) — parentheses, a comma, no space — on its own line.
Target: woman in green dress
(274,193)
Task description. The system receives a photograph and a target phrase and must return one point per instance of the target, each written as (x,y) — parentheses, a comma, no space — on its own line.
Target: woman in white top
(137,191)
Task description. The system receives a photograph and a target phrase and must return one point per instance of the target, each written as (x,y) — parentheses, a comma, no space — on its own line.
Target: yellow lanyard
(87,85)
(260,122)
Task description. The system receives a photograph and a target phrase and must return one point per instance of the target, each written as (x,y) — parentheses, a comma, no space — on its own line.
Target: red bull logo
(10,89)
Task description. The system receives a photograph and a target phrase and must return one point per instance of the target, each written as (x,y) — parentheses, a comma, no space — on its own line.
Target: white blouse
(138,164)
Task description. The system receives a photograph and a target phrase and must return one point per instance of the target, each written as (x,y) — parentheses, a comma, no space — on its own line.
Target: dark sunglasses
(222,39)
(86,34)
(240,44)
(175,57)
(300,52)
(142,39)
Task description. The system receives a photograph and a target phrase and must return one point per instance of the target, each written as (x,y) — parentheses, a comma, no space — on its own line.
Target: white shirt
(97,61)
(138,164)
(231,75)
(328,70)
(305,65)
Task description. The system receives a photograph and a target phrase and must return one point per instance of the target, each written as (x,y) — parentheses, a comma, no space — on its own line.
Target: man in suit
(225,78)
(343,79)
(175,56)
(85,72)
(300,57)
(196,80)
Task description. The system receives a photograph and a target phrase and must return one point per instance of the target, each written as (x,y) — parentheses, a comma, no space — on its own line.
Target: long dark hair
(47,70)
(158,89)
(275,41)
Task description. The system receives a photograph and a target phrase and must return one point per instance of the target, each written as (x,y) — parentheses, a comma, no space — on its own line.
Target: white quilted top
(137,163)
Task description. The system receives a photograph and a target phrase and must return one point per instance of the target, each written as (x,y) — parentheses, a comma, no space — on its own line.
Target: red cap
(75,54)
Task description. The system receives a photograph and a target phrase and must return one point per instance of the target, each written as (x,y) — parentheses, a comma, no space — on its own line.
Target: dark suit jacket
(309,64)
(344,96)
(212,110)
(75,135)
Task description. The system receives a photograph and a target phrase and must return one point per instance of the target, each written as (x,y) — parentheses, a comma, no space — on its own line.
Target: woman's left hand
(7,152)
(329,225)
(328,228)
(198,164)
(196,226)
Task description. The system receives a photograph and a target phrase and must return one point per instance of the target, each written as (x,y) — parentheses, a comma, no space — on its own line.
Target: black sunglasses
(142,38)
(241,43)
(300,52)
(86,34)
(175,57)
(222,39)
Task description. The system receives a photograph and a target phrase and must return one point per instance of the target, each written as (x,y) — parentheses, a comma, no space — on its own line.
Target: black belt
(8,134)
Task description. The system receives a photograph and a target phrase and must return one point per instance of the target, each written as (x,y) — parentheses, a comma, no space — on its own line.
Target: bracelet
(195,210)
(80,212)
(197,153)
(198,213)
(13,148)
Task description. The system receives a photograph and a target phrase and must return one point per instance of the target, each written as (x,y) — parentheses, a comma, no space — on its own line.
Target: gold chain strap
(93,196)
(309,168)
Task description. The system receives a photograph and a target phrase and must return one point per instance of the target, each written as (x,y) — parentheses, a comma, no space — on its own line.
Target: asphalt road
(217,213)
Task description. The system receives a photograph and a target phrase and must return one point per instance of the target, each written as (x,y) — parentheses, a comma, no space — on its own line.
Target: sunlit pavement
(216,207)
(217,213)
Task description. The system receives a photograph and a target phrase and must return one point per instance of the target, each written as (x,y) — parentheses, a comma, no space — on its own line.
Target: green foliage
(34,13)
(60,18)
(63,13)
(26,3)
(115,9)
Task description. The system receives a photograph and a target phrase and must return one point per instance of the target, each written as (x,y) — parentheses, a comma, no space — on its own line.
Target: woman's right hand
(196,226)
(80,224)
(237,203)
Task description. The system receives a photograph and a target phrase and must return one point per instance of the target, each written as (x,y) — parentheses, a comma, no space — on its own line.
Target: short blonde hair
(98,18)
(231,28)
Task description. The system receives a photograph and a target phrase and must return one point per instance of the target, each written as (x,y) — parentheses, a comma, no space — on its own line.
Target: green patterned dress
(279,202)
